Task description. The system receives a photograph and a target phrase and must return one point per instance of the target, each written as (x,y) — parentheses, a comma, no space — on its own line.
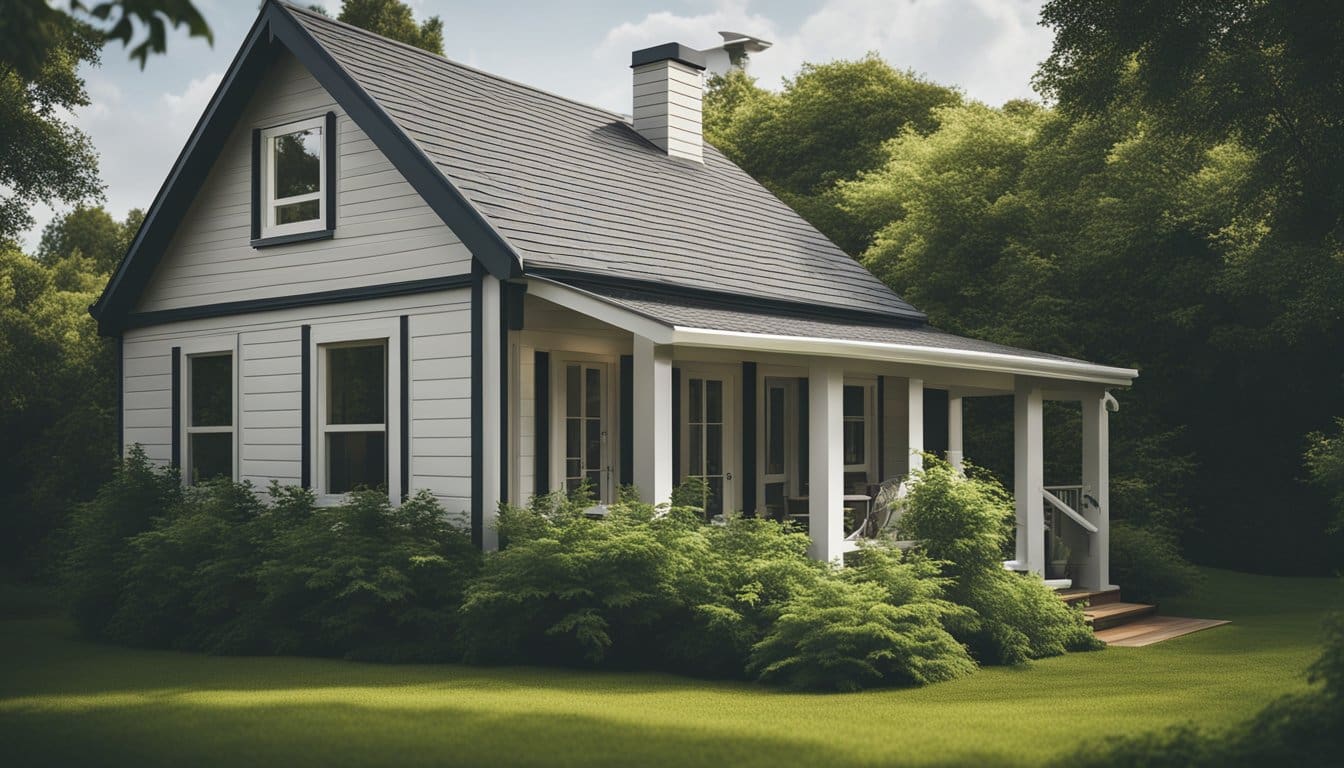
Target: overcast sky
(989,48)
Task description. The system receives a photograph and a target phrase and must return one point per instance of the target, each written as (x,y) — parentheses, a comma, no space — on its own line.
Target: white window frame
(208,347)
(384,331)
(268,200)
(560,360)
(731,427)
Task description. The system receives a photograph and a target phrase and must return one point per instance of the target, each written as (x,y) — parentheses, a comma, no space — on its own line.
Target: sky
(139,120)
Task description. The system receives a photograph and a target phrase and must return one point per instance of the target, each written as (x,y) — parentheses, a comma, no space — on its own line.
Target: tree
(31,31)
(91,233)
(393,18)
(827,124)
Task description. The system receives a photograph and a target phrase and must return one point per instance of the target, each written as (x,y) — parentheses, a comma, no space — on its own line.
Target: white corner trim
(906,353)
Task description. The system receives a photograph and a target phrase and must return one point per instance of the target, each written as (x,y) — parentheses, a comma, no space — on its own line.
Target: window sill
(297,237)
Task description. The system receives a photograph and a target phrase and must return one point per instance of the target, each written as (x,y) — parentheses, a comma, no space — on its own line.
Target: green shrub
(960,522)
(124,506)
(1147,565)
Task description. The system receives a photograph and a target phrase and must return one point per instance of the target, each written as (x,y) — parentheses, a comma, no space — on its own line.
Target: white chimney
(669,82)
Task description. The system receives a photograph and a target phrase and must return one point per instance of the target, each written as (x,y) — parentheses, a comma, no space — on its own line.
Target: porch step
(1114,614)
(1092,597)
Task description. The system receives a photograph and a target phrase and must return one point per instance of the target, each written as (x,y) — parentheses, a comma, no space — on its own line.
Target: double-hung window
(293,169)
(856,428)
(209,425)
(356,427)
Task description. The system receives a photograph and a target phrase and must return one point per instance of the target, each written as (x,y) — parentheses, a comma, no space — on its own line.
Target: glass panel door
(780,444)
(585,428)
(708,442)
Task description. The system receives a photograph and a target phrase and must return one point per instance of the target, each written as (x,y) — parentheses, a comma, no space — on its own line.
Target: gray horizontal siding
(385,232)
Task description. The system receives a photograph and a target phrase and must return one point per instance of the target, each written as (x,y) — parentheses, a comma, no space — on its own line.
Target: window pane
(697,446)
(594,446)
(356,385)
(714,504)
(308,210)
(573,392)
(573,470)
(713,401)
(298,163)
(355,460)
(854,442)
(212,391)
(774,426)
(696,412)
(854,402)
(714,449)
(573,440)
(593,383)
(211,456)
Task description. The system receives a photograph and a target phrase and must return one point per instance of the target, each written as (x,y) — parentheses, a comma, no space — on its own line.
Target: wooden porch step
(1153,629)
(1114,614)
(1091,596)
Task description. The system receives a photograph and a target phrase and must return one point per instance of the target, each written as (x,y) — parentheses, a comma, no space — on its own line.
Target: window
(585,435)
(855,429)
(209,423)
(293,188)
(354,419)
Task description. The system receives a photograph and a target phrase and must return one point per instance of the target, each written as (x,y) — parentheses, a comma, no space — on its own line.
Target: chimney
(668,87)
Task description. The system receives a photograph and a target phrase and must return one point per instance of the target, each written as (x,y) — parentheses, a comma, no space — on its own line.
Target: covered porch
(783,416)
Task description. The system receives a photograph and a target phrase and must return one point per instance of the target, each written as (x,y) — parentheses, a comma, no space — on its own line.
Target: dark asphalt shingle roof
(573,187)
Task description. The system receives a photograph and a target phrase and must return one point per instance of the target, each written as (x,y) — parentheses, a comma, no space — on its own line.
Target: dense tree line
(1177,210)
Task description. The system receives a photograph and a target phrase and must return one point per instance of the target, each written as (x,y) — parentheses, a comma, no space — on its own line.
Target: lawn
(69,702)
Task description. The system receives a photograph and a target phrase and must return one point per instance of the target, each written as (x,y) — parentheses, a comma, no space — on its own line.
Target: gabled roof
(530,181)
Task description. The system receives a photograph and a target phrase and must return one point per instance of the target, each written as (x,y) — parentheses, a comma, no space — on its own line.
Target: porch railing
(1067,500)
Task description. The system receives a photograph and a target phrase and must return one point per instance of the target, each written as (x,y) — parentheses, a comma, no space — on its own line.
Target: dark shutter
(542,410)
(627,389)
(749,439)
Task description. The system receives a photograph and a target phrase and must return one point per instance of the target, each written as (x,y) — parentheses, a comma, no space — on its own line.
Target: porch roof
(692,321)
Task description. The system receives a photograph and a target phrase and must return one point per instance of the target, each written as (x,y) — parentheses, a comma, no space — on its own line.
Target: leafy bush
(98,556)
(216,568)
(1325,464)
(960,522)
(1297,730)
(1147,565)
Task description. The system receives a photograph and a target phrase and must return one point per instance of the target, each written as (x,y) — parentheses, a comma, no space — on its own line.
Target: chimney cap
(675,51)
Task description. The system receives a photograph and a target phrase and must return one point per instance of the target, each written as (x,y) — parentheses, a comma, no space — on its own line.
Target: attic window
(293,181)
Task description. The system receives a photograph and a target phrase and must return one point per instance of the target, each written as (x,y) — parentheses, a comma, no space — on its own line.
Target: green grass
(67,702)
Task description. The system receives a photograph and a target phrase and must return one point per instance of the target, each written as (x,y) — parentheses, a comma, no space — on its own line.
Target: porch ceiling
(695,322)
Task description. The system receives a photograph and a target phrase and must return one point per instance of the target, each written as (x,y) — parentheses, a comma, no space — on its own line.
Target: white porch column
(652,421)
(1029,476)
(491,477)
(1096,572)
(915,420)
(955,450)
(826,467)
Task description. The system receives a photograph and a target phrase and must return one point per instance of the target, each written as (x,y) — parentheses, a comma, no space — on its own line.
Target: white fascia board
(998,362)
(599,308)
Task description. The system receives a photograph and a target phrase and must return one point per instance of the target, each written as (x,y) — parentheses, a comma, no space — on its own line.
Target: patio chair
(883,512)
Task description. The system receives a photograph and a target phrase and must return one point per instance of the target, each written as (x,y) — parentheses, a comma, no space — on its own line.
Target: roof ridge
(291,7)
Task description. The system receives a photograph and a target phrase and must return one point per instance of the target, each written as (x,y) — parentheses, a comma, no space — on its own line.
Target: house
(374,266)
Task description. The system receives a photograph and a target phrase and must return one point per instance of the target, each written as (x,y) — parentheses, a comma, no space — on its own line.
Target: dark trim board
(256,186)
(306,409)
(505,299)
(177,408)
(881,429)
(676,426)
(121,399)
(330,160)
(297,237)
(541,395)
(627,420)
(749,385)
(804,453)
(406,288)
(405,411)
(477,407)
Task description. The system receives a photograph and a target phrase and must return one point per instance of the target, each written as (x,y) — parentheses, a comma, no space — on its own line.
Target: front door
(707,447)
(586,447)
(781,440)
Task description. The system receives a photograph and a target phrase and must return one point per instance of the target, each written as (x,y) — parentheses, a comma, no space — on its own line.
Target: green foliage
(99,555)
(1325,463)
(90,233)
(1297,730)
(394,19)
(827,124)
(961,522)
(216,568)
(1147,565)
(57,391)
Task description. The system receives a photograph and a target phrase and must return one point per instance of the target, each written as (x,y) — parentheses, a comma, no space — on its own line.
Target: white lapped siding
(385,232)
(270,387)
